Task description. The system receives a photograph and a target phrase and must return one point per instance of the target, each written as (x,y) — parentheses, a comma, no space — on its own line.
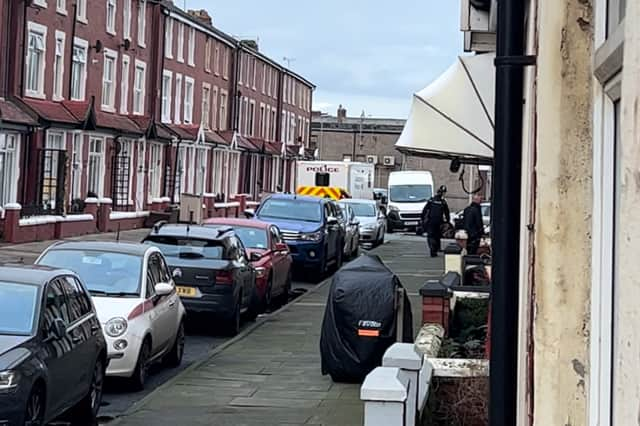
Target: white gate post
(405,357)
(384,393)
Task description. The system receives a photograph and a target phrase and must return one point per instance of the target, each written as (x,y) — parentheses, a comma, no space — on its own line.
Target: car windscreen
(410,193)
(255,238)
(186,247)
(363,209)
(19,304)
(298,210)
(104,273)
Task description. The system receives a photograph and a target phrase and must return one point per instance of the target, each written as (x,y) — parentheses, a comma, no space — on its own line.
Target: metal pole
(506,212)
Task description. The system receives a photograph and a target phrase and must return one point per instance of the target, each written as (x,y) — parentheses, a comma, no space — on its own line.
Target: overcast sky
(366,55)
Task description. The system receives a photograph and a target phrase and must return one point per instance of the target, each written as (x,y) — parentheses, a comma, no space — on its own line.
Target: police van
(336,179)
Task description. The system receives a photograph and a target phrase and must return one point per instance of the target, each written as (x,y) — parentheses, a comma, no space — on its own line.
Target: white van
(408,193)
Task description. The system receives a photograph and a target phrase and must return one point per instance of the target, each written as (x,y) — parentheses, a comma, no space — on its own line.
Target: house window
(273,124)
(142,22)
(36,60)
(76,166)
(252,118)
(58,67)
(124,88)
(108,80)
(61,7)
(178,103)
(234,175)
(126,17)
(216,65)
(274,82)
(268,77)
(267,125)
(253,73)
(283,129)
(168,39)
(81,10)
(206,106)
(155,170)
(188,100)
(192,47)
(241,73)
(207,55)
(225,70)
(95,179)
(264,78)
(180,42)
(201,169)
(223,110)
(111,16)
(167,80)
(139,82)
(218,166)
(214,105)
(285,100)
(79,70)
(8,168)
(245,116)
(263,122)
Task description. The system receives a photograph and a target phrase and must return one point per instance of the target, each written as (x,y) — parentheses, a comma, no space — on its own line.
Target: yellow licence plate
(186,291)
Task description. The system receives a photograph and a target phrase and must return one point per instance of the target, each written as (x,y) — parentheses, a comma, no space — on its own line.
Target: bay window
(155,170)
(9,153)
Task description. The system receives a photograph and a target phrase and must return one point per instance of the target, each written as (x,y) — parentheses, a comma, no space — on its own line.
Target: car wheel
(174,358)
(87,409)
(34,411)
(268,295)
(255,305)
(389,228)
(339,259)
(141,371)
(233,324)
(356,252)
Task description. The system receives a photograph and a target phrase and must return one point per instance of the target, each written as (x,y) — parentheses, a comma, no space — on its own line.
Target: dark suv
(52,351)
(211,269)
(310,227)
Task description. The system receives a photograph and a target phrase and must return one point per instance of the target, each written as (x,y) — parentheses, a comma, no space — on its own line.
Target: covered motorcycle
(360,319)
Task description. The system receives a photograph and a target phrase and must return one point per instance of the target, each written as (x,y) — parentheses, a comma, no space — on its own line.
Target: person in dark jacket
(473,224)
(434,214)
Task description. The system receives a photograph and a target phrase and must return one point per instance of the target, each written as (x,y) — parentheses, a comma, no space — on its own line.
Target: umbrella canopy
(453,116)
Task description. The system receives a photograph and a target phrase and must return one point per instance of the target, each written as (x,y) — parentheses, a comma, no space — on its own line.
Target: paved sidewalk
(271,375)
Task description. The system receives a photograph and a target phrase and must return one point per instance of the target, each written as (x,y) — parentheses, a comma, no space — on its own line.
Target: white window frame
(224,99)
(274,126)
(126,19)
(252,118)
(40,3)
(84,44)
(58,67)
(241,73)
(191,60)
(111,26)
(142,93)
(177,110)
(165,111)
(110,104)
(217,58)
(142,23)
(188,106)
(285,98)
(180,48)
(234,174)
(268,78)
(124,87)
(207,54)
(253,73)
(101,164)
(9,180)
(263,120)
(214,107)
(225,70)
(81,11)
(200,165)
(205,113)
(61,7)
(154,172)
(245,125)
(41,31)
(77,159)
(168,39)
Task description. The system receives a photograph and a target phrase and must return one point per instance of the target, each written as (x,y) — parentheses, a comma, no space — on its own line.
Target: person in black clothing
(473,224)
(434,214)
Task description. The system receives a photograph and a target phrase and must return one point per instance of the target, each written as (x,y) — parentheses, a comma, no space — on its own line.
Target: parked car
(212,270)
(269,255)
(310,228)
(373,223)
(352,231)
(52,352)
(457,219)
(135,297)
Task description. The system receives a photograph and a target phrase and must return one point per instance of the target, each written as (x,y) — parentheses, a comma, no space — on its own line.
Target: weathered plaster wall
(563,209)
(627,268)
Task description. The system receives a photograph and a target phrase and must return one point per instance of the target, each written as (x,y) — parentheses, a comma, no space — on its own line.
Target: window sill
(137,113)
(108,108)
(180,60)
(35,95)
(62,12)
(41,4)
(112,32)
(57,98)
(77,99)
(217,74)
(168,56)
(83,20)
(142,44)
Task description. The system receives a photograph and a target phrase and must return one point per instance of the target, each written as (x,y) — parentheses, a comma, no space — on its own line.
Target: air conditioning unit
(389,160)
(372,159)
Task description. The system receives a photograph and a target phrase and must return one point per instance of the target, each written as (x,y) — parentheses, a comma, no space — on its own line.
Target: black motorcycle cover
(360,319)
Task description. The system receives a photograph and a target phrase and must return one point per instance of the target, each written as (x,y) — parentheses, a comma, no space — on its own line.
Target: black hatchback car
(52,352)
(211,269)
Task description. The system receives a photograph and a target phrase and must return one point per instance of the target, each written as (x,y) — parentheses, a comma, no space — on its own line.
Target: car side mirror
(58,329)
(254,257)
(249,213)
(164,289)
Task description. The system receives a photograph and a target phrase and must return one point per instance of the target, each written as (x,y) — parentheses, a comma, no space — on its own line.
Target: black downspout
(235,104)
(73,38)
(25,42)
(509,62)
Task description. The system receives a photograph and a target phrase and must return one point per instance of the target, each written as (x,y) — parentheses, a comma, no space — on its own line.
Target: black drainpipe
(25,44)
(510,61)
(73,37)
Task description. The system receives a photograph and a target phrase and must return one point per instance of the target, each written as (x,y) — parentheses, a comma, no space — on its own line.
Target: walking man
(473,224)
(434,214)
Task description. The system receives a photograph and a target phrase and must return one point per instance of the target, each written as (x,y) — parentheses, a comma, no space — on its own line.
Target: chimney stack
(342,114)
(251,44)
(202,16)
